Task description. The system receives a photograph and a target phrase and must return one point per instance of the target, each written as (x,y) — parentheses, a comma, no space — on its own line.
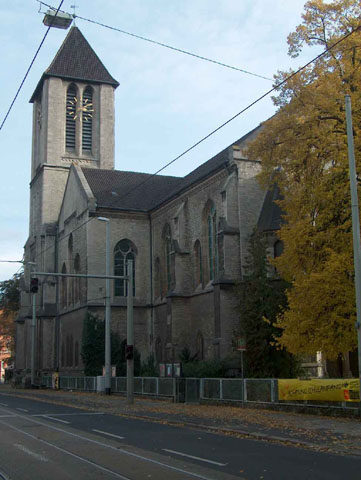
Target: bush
(93,349)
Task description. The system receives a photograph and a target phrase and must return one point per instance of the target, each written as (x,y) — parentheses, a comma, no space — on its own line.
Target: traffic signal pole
(130,336)
(33,340)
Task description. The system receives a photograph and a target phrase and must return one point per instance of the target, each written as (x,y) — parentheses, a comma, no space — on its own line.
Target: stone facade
(189,245)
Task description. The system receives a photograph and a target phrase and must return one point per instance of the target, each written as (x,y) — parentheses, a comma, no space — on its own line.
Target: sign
(177,369)
(169,370)
(330,390)
(241,344)
(162,369)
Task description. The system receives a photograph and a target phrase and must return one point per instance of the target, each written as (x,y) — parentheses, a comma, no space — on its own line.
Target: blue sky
(166,101)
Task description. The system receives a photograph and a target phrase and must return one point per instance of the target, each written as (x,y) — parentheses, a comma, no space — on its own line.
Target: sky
(166,101)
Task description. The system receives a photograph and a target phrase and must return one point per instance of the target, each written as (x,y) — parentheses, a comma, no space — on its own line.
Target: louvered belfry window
(71,101)
(87,119)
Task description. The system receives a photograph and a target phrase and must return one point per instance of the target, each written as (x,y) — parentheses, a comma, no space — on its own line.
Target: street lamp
(107,306)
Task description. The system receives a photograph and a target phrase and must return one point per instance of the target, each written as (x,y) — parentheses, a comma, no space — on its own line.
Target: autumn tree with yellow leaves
(304,149)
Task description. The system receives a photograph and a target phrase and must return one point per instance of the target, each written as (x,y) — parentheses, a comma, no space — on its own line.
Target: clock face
(75,109)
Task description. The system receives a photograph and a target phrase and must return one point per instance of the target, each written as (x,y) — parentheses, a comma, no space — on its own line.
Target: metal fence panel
(138,385)
(192,390)
(232,389)
(258,389)
(165,386)
(211,388)
(150,385)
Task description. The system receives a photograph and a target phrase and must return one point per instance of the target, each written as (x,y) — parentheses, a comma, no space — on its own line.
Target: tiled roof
(270,218)
(142,191)
(129,190)
(76,60)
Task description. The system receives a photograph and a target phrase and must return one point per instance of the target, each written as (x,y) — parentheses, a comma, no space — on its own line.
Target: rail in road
(40,440)
(33,448)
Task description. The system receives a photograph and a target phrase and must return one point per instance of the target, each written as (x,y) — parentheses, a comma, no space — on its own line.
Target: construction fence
(338,392)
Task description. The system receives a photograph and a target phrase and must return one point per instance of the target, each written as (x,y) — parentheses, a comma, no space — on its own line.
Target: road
(41,440)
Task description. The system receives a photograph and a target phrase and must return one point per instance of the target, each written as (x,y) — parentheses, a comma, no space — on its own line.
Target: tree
(9,306)
(304,149)
(262,298)
(93,348)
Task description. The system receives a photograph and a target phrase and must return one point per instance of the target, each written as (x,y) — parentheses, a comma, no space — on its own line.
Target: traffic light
(129,352)
(34,285)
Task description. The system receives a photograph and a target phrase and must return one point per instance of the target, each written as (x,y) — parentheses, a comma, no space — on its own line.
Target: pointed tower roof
(76,60)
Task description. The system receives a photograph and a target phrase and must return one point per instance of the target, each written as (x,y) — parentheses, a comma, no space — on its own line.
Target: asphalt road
(41,440)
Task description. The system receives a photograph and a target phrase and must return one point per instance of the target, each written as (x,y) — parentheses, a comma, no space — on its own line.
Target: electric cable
(268,92)
(161,44)
(30,66)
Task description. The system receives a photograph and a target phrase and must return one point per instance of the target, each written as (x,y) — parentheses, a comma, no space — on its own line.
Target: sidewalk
(328,434)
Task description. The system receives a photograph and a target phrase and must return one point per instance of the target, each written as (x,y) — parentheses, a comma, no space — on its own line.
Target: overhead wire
(29,68)
(165,45)
(268,92)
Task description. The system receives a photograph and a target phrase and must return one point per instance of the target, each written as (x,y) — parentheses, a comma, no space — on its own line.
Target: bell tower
(73,121)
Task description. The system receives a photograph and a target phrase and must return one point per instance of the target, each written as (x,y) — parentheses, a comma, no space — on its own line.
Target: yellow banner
(336,390)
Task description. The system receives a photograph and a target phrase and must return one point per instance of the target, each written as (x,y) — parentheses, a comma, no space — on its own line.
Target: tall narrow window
(277,248)
(71,103)
(70,263)
(64,289)
(168,250)
(212,242)
(87,120)
(157,283)
(77,279)
(198,268)
(124,251)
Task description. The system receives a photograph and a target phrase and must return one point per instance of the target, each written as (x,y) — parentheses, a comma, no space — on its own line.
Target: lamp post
(355,227)
(107,306)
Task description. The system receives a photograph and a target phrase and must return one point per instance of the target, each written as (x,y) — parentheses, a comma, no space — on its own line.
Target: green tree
(93,348)
(304,149)
(9,306)
(262,298)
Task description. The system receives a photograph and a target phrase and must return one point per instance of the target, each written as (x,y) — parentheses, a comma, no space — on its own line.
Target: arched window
(124,251)
(70,116)
(87,120)
(210,231)
(158,350)
(70,263)
(77,279)
(200,346)
(198,267)
(167,235)
(277,248)
(64,289)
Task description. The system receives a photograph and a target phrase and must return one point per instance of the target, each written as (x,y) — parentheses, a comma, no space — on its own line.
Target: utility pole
(355,227)
(107,307)
(33,339)
(130,336)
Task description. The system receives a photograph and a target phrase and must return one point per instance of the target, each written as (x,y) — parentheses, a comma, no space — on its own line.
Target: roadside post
(355,228)
(242,347)
(129,352)
(34,287)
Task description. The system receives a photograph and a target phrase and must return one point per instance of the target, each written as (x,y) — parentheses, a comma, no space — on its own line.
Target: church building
(187,236)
